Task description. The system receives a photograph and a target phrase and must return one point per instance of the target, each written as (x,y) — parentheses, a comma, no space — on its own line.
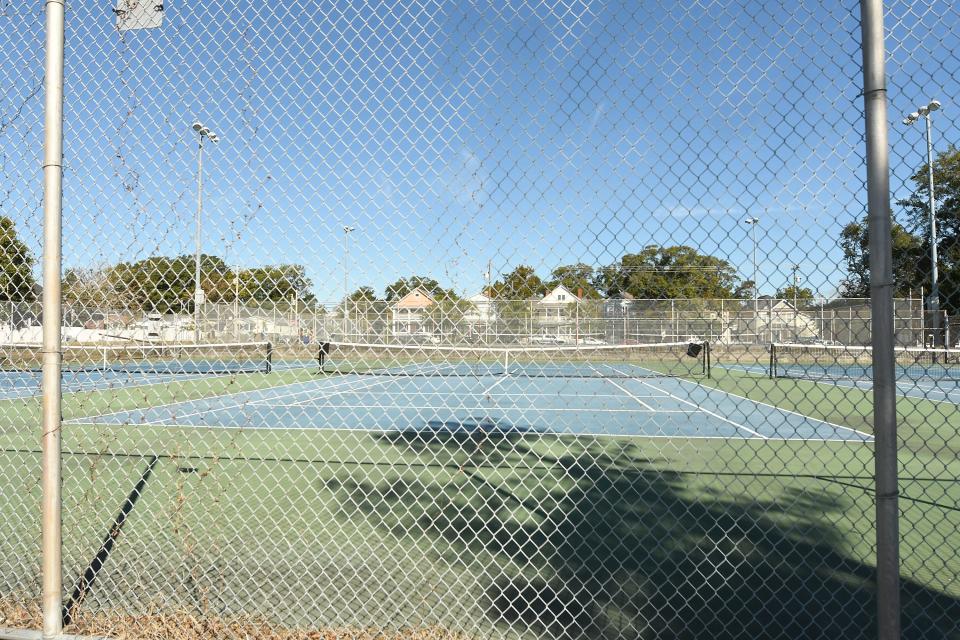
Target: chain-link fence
(479,320)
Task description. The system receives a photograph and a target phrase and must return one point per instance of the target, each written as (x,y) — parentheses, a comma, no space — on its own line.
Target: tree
(577,278)
(403,286)
(16,265)
(280,283)
(803,295)
(522,283)
(363,294)
(907,260)
(946,179)
(668,273)
(166,285)
(746,290)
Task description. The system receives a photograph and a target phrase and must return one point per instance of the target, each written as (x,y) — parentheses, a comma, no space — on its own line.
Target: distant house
(481,310)
(410,314)
(479,317)
(555,313)
(779,321)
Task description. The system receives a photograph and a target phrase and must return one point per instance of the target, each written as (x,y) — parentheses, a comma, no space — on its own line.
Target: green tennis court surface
(585,475)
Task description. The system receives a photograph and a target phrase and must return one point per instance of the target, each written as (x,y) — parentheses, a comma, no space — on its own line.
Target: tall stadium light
(204,133)
(347,229)
(926,112)
(756,284)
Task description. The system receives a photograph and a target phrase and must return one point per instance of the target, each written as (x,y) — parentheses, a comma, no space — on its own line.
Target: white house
(555,313)
(410,315)
(482,309)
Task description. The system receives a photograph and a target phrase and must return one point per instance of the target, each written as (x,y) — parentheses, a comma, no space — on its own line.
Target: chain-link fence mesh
(474,319)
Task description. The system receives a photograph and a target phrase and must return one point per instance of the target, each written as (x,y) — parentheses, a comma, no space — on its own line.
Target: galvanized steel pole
(197,291)
(50,476)
(881,292)
(934,276)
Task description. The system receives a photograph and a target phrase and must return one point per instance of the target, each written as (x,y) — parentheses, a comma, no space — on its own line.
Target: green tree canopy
(274,283)
(669,272)
(746,290)
(363,294)
(907,260)
(577,278)
(804,295)
(166,284)
(520,284)
(16,265)
(946,179)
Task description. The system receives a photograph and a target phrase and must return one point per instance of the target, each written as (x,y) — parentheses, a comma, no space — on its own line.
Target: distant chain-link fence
(479,320)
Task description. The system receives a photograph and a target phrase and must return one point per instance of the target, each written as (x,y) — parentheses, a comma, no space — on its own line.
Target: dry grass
(185,626)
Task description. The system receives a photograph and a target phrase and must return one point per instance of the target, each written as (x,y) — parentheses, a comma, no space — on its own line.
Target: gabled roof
(558,290)
(416,299)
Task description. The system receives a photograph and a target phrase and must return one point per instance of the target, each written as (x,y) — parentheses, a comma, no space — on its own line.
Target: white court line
(531,434)
(340,389)
(490,388)
(796,413)
(630,394)
(301,383)
(462,407)
(860,384)
(710,413)
(259,403)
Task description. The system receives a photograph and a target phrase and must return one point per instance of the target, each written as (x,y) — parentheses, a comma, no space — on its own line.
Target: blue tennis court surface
(654,407)
(26,384)
(930,387)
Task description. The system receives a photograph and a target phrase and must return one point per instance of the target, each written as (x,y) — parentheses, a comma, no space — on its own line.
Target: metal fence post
(881,289)
(51,535)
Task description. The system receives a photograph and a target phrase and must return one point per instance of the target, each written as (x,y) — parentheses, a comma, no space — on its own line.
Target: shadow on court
(600,542)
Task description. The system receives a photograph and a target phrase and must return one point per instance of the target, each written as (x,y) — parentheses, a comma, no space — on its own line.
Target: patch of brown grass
(165,625)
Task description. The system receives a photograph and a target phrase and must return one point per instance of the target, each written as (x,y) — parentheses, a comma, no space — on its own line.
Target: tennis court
(926,374)
(595,406)
(111,367)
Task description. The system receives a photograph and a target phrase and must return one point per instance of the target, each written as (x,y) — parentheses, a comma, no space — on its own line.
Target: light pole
(347,230)
(796,312)
(934,301)
(204,133)
(756,285)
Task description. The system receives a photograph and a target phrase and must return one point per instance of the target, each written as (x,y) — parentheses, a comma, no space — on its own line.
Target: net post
(707,365)
(269,362)
(773,361)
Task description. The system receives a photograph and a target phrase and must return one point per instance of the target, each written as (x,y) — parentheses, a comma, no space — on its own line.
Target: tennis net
(856,362)
(241,357)
(674,359)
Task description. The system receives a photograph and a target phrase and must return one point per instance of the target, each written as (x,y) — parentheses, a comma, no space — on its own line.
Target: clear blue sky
(452,133)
